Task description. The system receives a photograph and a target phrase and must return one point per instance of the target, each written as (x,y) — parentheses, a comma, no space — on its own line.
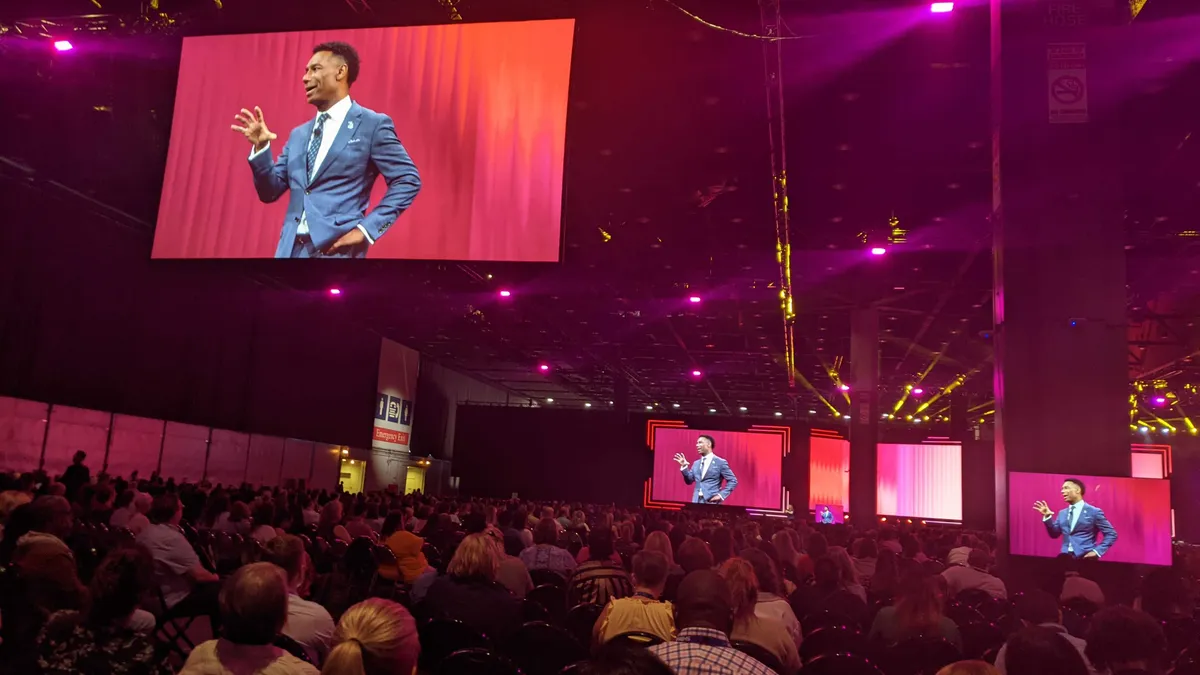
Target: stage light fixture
(649,407)
(845,417)
(1160,400)
(675,405)
(742,408)
(778,414)
(587,405)
(918,391)
(812,412)
(544,367)
(63,45)
(549,400)
(335,291)
(878,250)
(712,411)
(697,373)
(694,299)
(941,7)
(506,294)
(1143,429)
(844,387)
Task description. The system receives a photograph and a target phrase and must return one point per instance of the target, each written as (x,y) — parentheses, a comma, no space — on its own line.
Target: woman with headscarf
(411,566)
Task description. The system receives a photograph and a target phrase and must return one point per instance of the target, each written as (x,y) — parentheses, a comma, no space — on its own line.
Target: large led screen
(828,471)
(449,146)
(919,480)
(755,459)
(1138,509)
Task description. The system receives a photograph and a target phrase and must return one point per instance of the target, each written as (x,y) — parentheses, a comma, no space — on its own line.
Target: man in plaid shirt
(703,620)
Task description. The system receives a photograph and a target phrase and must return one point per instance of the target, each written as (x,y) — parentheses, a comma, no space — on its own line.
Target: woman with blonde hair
(917,612)
(768,633)
(847,572)
(374,637)
(470,593)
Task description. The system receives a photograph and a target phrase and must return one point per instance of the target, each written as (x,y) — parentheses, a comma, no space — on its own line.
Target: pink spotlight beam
(941,7)
(878,250)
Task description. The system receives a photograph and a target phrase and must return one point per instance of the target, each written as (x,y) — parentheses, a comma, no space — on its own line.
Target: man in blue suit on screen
(329,163)
(1079,524)
(707,474)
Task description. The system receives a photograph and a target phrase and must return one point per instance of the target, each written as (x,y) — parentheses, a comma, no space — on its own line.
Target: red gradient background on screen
(1139,509)
(828,472)
(919,481)
(480,107)
(755,458)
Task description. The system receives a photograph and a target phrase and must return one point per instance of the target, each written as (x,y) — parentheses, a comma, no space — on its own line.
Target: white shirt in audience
(311,625)
(173,558)
(771,606)
(222,657)
(958,556)
(959,579)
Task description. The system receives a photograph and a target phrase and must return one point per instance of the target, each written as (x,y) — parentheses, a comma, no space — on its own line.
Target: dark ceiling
(669,195)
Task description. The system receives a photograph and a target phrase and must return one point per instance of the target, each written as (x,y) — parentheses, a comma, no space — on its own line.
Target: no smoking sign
(1067,90)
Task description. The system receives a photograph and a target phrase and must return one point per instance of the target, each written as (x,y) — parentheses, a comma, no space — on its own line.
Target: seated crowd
(149,576)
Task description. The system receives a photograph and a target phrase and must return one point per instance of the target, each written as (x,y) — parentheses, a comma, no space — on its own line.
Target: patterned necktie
(315,144)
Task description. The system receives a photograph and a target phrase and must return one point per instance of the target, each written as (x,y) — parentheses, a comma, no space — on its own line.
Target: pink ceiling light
(335,291)
(63,45)
(695,299)
(545,368)
(506,294)
(878,250)
(941,7)
(696,373)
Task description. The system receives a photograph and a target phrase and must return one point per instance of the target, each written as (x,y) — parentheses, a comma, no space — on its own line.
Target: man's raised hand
(683,463)
(252,126)
(1043,508)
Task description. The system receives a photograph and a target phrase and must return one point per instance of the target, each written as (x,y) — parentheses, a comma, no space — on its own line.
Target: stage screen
(1138,508)
(457,133)
(919,480)
(756,459)
(836,514)
(828,470)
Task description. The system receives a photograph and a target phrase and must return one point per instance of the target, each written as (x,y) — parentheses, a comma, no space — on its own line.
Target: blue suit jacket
(710,485)
(1082,539)
(335,202)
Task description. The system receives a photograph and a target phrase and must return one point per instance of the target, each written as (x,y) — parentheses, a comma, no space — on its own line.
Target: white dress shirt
(311,625)
(337,116)
(704,464)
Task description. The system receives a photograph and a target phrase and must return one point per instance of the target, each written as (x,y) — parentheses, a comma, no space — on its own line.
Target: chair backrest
(384,557)
(532,610)
(476,662)
(553,598)
(541,649)
(581,620)
(973,597)
(442,637)
(292,647)
(842,664)
(547,577)
(978,637)
(635,638)
(832,640)
(920,656)
(825,619)
(761,654)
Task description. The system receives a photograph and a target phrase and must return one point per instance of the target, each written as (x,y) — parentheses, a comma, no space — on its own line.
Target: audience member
(1076,583)
(103,640)
(620,659)
(1039,609)
(411,566)
(1038,650)
(254,609)
(974,575)
(263,515)
(599,579)
(1124,641)
(545,553)
(770,634)
(178,573)
(76,476)
(704,619)
(968,668)
(375,637)
(308,623)
(469,591)
(770,605)
(644,611)
(917,612)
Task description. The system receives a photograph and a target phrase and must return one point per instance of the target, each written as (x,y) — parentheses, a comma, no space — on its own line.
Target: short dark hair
(1120,635)
(287,553)
(346,53)
(254,604)
(163,508)
(1082,487)
(1037,607)
(1038,650)
(650,568)
(711,443)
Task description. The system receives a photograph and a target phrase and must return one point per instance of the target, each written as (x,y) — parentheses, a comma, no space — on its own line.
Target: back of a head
(764,569)
(546,531)
(619,659)
(118,584)
(46,510)
(694,555)
(704,601)
(969,668)
(254,604)
(825,572)
(743,585)
(1036,607)
(650,568)
(658,541)
(1036,650)
(600,543)
(721,544)
(163,509)
(286,552)
(1122,638)
(477,556)
(374,637)
(979,558)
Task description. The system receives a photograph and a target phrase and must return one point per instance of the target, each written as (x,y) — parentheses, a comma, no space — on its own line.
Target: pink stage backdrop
(919,481)
(481,108)
(755,458)
(1139,509)
(829,472)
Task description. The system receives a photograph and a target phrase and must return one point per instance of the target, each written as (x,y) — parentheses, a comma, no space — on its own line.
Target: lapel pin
(349,125)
